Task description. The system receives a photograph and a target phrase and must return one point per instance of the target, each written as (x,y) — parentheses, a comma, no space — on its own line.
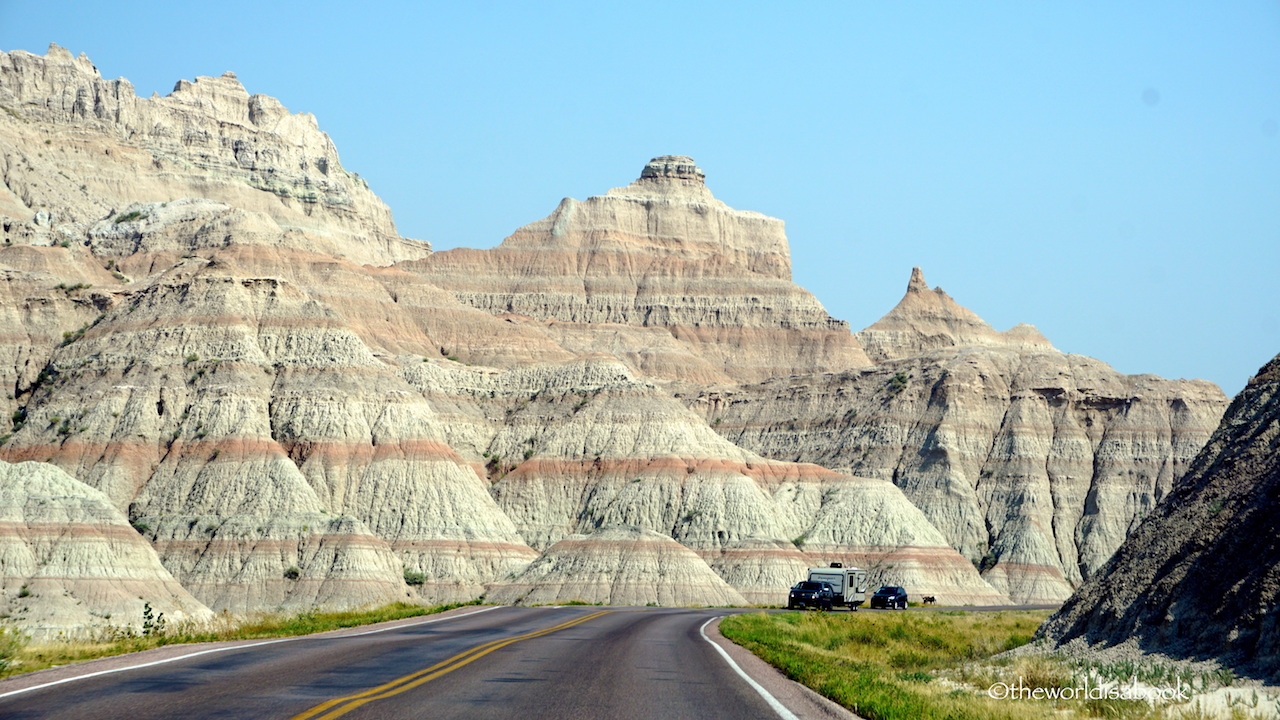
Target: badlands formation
(1033,463)
(264,397)
(1200,577)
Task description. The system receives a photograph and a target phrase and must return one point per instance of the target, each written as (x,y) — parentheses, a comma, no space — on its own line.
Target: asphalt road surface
(558,663)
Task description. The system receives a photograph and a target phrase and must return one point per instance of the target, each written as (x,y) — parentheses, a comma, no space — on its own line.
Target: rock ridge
(1199,577)
(209,138)
(294,407)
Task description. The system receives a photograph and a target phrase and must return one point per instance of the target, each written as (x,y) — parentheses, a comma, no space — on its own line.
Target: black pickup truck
(807,593)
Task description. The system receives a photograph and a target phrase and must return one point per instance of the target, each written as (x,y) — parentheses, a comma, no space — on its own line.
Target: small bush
(11,643)
(898,383)
(129,216)
(414,577)
(72,336)
(292,573)
(152,623)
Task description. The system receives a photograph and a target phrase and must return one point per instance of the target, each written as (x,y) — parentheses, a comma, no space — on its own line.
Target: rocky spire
(927,318)
(917,283)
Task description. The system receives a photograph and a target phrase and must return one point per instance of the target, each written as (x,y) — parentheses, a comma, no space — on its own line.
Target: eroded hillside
(1200,577)
(213,325)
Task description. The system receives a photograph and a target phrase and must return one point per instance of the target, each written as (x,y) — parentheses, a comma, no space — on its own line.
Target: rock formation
(79,149)
(660,274)
(928,319)
(628,454)
(1200,577)
(618,566)
(210,323)
(70,561)
(1035,464)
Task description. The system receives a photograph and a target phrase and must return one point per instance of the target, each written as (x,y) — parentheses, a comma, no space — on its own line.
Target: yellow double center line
(339,706)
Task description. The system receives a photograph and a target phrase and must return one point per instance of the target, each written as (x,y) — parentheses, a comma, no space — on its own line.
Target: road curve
(551,662)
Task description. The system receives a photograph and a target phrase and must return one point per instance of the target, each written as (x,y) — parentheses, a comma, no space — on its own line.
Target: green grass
(938,665)
(884,666)
(18,657)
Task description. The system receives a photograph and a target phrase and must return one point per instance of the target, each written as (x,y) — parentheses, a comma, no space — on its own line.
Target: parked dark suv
(889,596)
(808,593)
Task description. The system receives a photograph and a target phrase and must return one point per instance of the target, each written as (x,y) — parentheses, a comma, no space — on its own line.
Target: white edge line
(777,706)
(316,636)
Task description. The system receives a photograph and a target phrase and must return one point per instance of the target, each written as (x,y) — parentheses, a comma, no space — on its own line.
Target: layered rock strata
(1035,464)
(206,327)
(1200,577)
(70,563)
(661,274)
(628,454)
(928,319)
(245,407)
(78,149)
(617,566)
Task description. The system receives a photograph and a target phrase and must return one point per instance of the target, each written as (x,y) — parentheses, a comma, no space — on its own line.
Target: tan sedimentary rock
(1199,577)
(617,565)
(630,455)
(661,253)
(290,561)
(1033,463)
(205,325)
(244,399)
(70,562)
(759,568)
(78,149)
(928,319)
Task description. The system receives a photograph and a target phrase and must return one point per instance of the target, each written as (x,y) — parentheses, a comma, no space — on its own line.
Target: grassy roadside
(18,656)
(915,666)
(941,664)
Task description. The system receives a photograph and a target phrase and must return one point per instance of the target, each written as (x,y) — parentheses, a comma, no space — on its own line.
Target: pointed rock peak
(680,167)
(57,51)
(927,319)
(917,283)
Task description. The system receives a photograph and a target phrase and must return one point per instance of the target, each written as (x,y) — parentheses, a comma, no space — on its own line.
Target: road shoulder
(805,703)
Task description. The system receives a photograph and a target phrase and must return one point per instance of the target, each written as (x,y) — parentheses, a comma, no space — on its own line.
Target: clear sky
(1109,172)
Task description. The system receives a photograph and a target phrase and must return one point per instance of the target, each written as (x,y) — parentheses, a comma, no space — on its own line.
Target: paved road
(557,663)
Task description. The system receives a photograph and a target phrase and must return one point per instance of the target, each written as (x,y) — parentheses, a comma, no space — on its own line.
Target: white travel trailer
(850,583)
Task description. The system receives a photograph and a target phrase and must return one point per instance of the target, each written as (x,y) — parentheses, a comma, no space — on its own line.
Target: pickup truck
(807,593)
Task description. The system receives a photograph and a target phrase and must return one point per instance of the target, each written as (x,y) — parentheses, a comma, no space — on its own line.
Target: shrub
(414,577)
(898,382)
(292,573)
(152,623)
(10,644)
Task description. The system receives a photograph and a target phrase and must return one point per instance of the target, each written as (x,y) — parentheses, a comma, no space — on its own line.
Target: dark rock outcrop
(1200,577)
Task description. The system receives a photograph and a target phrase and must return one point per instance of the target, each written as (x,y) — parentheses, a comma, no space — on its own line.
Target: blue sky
(1109,172)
